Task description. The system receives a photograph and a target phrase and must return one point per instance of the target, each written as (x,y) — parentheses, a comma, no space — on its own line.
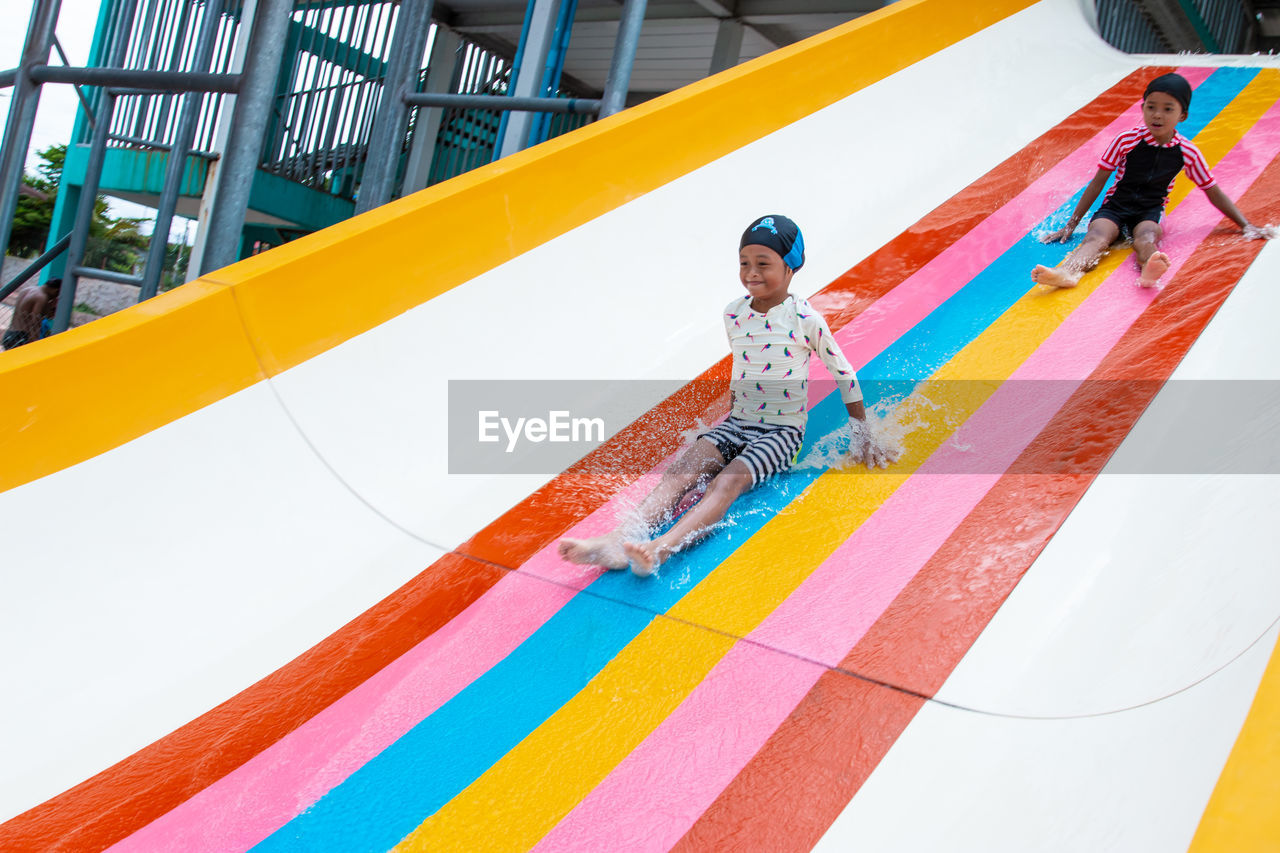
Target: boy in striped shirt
(771,334)
(1146,160)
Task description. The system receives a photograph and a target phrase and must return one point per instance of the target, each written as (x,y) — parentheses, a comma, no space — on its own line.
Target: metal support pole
(503,102)
(208,201)
(528,82)
(440,77)
(540,125)
(239,162)
(177,164)
(624,57)
(107,275)
(728,47)
(84,212)
(151,81)
(23,102)
(392,117)
(84,101)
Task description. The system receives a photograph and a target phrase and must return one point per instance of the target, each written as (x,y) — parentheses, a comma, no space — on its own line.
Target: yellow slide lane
(1243,815)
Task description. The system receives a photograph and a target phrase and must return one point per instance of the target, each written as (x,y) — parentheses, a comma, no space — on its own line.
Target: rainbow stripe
(558,700)
(554,707)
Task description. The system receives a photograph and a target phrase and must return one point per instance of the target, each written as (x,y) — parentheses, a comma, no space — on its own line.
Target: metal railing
(328,96)
(163,35)
(1209,26)
(332,77)
(319,135)
(1229,22)
(1122,25)
(468,133)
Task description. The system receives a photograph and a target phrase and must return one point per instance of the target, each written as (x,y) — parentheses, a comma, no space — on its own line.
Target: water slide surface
(253,600)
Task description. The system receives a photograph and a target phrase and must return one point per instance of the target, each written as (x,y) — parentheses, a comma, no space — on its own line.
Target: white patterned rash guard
(771,360)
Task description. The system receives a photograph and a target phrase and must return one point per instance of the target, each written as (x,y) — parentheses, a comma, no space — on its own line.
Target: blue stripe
(391,795)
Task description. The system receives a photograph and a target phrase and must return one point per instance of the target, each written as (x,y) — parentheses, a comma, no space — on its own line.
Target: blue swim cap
(778,233)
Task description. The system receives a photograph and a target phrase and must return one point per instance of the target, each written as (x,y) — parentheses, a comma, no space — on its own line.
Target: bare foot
(645,556)
(603,551)
(1156,266)
(1054,276)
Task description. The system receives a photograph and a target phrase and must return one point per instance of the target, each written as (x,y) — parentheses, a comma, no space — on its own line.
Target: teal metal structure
(327,102)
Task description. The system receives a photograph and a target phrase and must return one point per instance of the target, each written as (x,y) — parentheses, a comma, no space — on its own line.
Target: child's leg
(1146,248)
(727,486)
(1101,234)
(702,460)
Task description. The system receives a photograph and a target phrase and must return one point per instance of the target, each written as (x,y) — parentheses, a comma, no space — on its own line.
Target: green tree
(30,229)
(113,243)
(34,212)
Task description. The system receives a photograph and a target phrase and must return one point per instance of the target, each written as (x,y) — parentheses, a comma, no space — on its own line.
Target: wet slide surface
(744,696)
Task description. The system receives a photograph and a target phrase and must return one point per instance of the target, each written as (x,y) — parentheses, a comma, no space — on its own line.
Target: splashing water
(893,420)
(1048,229)
(690,435)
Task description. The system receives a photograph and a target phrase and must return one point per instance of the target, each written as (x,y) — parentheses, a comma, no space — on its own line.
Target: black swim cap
(1174,85)
(778,233)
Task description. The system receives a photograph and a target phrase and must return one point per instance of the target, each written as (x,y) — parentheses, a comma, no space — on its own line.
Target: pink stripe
(835,606)
(249,804)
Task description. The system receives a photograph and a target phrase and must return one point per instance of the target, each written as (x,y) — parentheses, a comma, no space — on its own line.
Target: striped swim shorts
(766,449)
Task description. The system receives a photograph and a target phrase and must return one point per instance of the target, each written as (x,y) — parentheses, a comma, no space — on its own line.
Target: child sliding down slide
(771,333)
(1146,160)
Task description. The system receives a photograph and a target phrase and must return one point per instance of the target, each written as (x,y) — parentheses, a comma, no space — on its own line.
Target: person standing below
(32,313)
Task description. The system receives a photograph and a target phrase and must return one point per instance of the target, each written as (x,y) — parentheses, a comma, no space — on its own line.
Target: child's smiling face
(1161,112)
(764,275)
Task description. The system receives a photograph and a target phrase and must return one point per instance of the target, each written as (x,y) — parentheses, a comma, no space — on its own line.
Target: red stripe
(838,734)
(111,805)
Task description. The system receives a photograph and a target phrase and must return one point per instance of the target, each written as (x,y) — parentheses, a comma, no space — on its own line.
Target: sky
(58,102)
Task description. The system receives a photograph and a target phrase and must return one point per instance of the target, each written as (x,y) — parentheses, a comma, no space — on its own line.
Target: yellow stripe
(305,297)
(1243,815)
(531,789)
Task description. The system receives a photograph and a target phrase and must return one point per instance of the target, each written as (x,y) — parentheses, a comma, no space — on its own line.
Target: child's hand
(1261,232)
(1060,236)
(867,447)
